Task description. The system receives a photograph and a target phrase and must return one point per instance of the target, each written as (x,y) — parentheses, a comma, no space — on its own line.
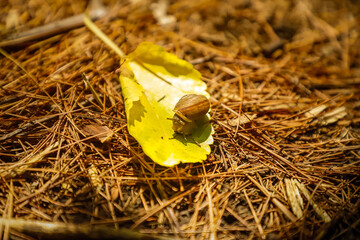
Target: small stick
(52,29)
(73,231)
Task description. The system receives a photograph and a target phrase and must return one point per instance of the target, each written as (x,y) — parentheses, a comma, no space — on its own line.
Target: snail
(190,108)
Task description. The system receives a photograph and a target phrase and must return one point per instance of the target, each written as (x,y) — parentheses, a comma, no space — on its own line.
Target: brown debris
(284,80)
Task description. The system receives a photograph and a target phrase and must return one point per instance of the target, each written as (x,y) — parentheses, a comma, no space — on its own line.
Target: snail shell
(190,107)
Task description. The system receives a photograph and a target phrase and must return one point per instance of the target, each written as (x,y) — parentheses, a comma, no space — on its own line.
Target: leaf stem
(102,36)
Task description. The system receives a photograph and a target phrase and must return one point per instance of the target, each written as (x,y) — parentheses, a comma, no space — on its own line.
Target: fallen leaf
(152,83)
(103,133)
(241,120)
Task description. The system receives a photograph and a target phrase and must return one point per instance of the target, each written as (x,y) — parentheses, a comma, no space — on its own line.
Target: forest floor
(284,81)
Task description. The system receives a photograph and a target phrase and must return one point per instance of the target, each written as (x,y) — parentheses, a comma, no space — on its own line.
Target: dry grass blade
(295,199)
(258,224)
(317,209)
(22,165)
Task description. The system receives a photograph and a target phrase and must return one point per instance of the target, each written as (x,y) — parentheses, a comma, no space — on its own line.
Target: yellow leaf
(152,83)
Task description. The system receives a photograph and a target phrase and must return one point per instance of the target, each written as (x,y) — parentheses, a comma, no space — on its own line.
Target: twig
(51,29)
(78,231)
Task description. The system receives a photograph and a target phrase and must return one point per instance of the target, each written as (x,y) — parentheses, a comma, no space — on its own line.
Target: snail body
(190,108)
